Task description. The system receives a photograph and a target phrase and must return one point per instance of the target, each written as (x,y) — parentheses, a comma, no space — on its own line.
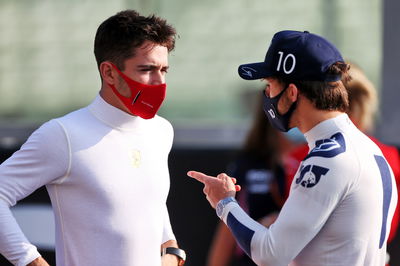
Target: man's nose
(158,78)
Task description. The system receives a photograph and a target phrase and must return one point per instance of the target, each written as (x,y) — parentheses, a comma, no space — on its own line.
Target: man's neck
(108,96)
(310,117)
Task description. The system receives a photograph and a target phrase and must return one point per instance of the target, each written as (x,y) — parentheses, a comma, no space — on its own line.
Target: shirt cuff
(30,256)
(227,209)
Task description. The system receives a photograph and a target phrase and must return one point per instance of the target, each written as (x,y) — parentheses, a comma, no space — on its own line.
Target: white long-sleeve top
(107,176)
(339,210)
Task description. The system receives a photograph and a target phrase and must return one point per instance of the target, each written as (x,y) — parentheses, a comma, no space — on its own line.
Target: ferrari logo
(136,158)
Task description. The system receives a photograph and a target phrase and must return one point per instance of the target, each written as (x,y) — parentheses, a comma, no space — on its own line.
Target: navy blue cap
(295,55)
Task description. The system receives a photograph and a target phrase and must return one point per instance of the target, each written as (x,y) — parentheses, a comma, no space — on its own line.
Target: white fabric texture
(108,180)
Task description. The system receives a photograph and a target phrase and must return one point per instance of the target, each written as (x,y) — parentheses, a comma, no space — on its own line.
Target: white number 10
(285,63)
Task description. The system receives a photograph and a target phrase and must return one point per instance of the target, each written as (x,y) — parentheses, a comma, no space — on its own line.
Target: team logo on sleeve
(328,148)
(310,175)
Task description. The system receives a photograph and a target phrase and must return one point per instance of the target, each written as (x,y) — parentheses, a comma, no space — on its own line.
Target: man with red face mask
(105,166)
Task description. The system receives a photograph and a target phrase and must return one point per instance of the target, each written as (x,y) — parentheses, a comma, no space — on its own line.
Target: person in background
(342,201)
(258,170)
(363,108)
(105,166)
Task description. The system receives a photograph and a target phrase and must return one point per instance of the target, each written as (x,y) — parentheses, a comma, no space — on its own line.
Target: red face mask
(145,99)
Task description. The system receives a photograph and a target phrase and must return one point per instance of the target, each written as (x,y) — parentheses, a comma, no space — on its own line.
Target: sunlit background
(47,66)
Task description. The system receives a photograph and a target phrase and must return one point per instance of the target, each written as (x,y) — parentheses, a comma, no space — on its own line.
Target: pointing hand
(216,188)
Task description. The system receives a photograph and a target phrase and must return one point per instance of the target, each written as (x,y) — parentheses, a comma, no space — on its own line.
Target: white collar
(327,128)
(113,116)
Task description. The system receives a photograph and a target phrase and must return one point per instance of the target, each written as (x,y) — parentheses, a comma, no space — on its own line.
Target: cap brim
(254,71)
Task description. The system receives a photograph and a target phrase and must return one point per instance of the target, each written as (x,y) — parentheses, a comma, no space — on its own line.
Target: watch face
(220,209)
(221,205)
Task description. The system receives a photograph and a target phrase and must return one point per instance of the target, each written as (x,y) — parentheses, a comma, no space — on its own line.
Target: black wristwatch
(180,253)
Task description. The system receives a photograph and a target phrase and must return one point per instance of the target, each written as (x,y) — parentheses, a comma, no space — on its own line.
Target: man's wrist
(38,262)
(221,206)
(179,253)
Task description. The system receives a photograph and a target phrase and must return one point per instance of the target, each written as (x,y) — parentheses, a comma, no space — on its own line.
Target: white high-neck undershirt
(107,176)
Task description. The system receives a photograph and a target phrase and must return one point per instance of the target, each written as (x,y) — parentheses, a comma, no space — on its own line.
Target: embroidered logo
(136,158)
(328,148)
(310,175)
(247,71)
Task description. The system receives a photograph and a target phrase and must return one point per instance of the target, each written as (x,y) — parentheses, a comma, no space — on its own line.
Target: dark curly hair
(118,36)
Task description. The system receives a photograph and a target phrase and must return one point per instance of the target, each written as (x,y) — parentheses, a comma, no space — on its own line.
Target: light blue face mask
(295,135)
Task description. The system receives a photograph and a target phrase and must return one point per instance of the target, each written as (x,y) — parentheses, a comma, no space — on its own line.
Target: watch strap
(180,253)
(222,204)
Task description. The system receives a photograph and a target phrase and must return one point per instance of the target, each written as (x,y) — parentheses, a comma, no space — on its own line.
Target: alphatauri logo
(310,175)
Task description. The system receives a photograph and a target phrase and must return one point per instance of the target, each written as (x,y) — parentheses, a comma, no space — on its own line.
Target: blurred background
(47,68)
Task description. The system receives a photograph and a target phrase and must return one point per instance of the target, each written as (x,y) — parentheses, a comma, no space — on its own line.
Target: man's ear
(107,73)
(293,92)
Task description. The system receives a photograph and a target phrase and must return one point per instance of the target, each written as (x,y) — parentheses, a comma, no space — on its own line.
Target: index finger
(199,176)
